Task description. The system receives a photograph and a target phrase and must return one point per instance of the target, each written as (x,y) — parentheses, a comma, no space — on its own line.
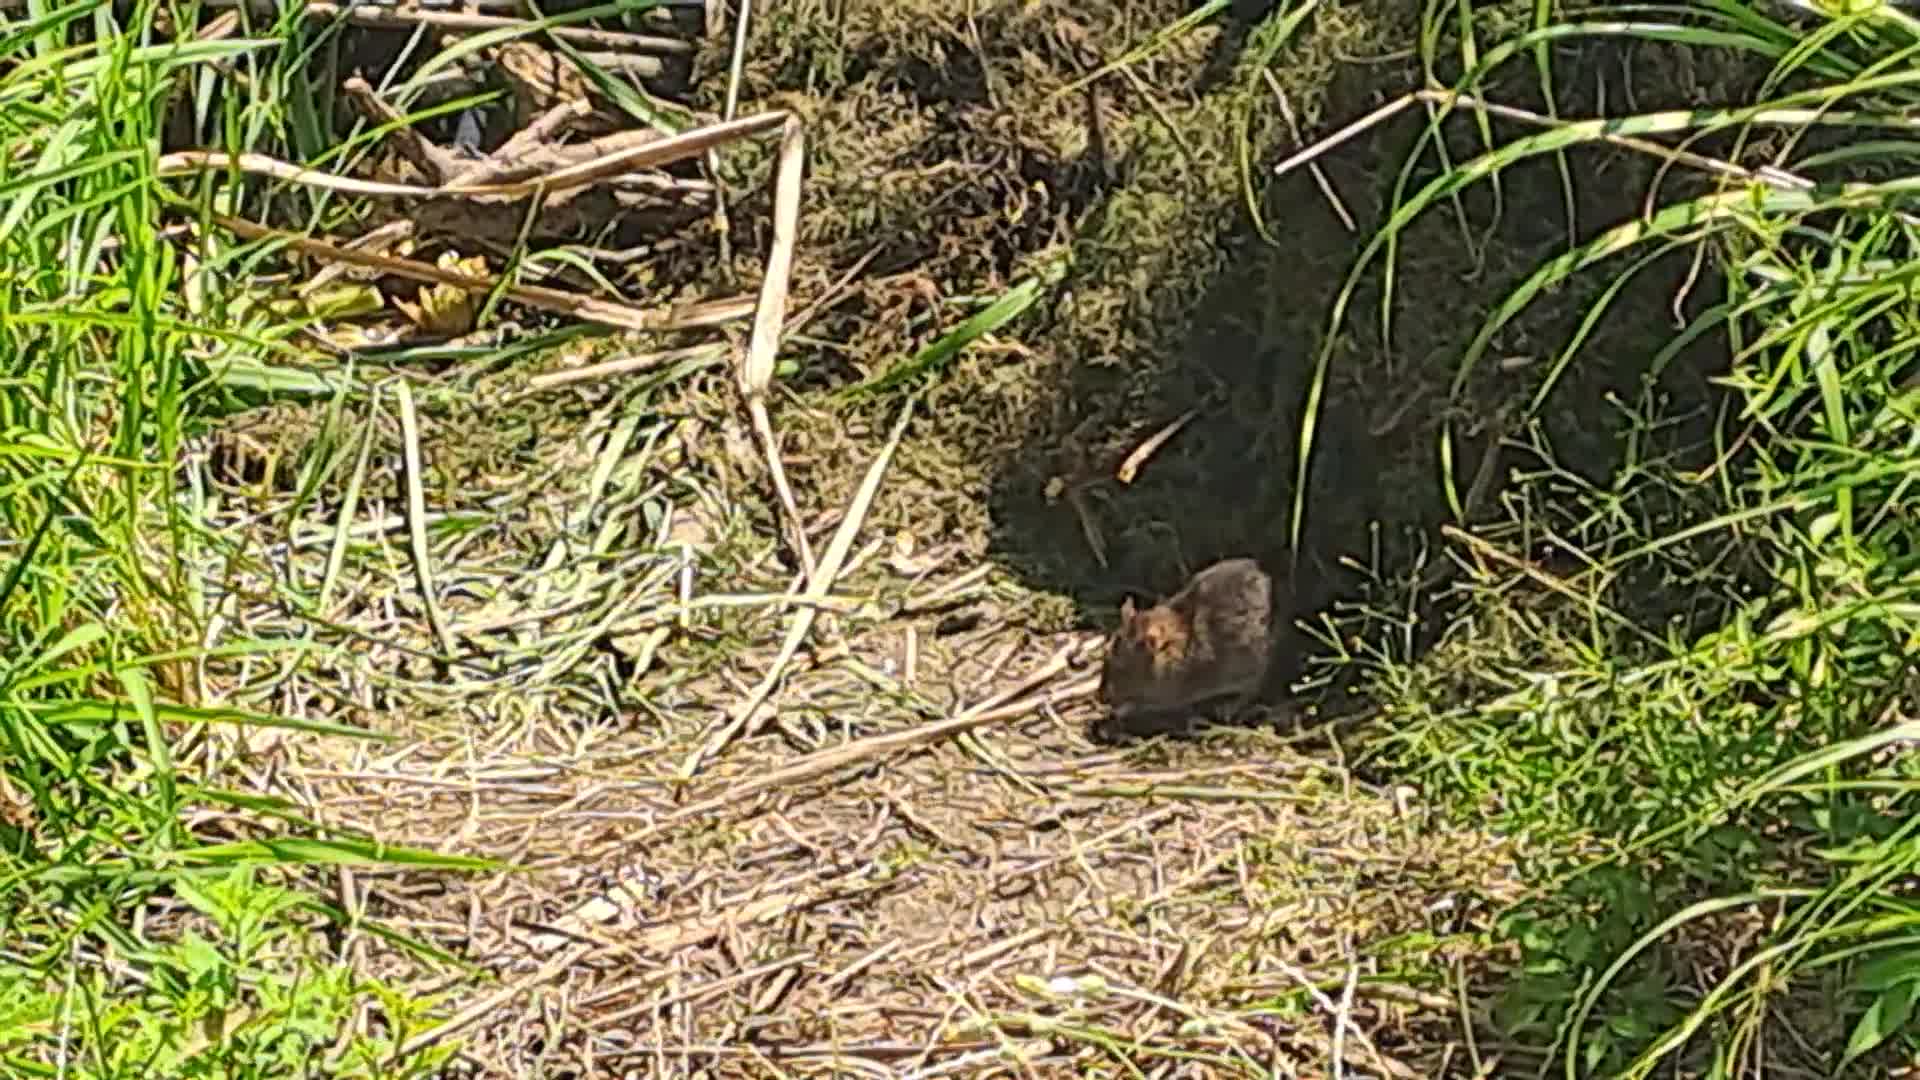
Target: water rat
(1213,639)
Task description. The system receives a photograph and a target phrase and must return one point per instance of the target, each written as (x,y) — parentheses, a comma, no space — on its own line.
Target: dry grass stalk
(1319,175)
(824,762)
(349,506)
(741,19)
(653,154)
(433,161)
(532,152)
(416,516)
(605,312)
(1131,466)
(378,242)
(488,1003)
(718,986)
(461,22)
(623,366)
(819,581)
(1450,99)
(756,372)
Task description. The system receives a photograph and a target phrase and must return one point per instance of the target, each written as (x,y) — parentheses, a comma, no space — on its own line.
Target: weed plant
(130,943)
(1689,682)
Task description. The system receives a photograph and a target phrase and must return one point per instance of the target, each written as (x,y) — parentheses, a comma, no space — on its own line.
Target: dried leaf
(448,309)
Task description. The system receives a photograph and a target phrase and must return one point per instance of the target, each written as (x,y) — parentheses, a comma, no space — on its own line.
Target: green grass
(134,945)
(1687,682)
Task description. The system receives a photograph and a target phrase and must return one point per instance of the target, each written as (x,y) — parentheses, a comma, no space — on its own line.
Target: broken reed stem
(756,370)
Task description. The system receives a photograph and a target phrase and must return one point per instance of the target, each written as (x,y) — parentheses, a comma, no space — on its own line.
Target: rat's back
(1233,588)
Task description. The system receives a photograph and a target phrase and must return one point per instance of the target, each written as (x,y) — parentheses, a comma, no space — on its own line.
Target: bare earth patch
(1018,897)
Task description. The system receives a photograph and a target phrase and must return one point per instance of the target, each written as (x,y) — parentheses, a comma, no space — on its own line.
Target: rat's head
(1146,658)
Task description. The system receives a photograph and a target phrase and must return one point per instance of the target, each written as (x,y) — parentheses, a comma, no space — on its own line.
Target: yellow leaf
(448,309)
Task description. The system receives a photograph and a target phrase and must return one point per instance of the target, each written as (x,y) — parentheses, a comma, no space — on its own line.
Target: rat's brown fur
(1212,639)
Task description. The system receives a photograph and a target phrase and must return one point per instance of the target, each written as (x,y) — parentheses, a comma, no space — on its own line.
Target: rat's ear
(1126,609)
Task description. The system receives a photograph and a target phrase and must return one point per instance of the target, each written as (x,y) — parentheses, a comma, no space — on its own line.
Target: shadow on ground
(1242,357)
